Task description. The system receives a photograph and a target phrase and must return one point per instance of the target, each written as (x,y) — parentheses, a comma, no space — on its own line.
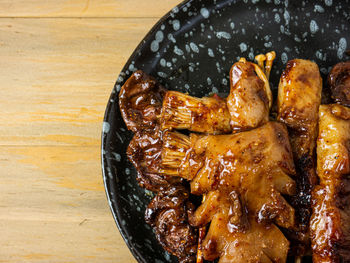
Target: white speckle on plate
(187,86)
(284,58)
(162,74)
(209,81)
(223,34)
(175,9)
(277,18)
(313,27)
(194,47)
(268,44)
(117,156)
(286,17)
(162,62)
(154,46)
(224,81)
(159,36)
(204,12)
(232,25)
(178,51)
(105,127)
(341,47)
(243,47)
(319,9)
(171,38)
(328,2)
(127,171)
(214,90)
(210,52)
(176,25)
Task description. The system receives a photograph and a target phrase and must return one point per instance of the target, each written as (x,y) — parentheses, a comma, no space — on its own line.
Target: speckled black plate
(191,49)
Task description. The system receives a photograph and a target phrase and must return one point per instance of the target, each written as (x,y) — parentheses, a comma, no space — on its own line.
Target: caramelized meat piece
(256,162)
(233,235)
(339,83)
(168,214)
(144,151)
(248,101)
(246,107)
(299,97)
(208,114)
(330,224)
(140,101)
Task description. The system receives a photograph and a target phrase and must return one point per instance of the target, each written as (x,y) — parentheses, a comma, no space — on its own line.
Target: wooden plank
(86,8)
(53,207)
(57,75)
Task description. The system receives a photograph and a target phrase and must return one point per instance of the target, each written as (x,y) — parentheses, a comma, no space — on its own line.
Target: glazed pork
(258,163)
(246,107)
(330,224)
(168,214)
(299,97)
(140,102)
(339,83)
(241,177)
(234,235)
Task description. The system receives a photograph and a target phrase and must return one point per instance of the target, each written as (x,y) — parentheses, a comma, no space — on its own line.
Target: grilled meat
(168,214)
(339,83)
(246,107)
(299,97)
(330,224)
(140,101)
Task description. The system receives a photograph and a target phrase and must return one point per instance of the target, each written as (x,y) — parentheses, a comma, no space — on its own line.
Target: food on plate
(247,105)
(330,224)
(236,236)
(299,97)
(256,174)
(339,83)
(257,164)
(168,214)
(140,100)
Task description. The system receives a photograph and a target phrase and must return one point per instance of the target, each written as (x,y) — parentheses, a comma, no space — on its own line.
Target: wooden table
(59,62)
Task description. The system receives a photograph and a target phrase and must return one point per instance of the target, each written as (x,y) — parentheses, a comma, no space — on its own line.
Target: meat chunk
(208,114)
(248,101)
(234,235)
(140,101)
(144,151)
(339,83)
(257,163)
(246,107)
(168,214)
(330,224)
(299,97)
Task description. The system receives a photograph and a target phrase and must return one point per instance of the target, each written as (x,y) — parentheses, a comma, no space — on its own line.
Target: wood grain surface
(59,62)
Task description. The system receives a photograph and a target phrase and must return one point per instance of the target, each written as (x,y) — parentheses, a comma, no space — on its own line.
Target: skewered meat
(241,177)
(246,107)
(140,101)
(256,163)
(208,114)
(144,151)
(257,243)
(299,97)
(330,224)
(249,100)
(233,235)
(168,214)
(339,83)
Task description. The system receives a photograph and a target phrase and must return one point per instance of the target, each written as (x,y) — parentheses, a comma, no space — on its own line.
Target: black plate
(191,49)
